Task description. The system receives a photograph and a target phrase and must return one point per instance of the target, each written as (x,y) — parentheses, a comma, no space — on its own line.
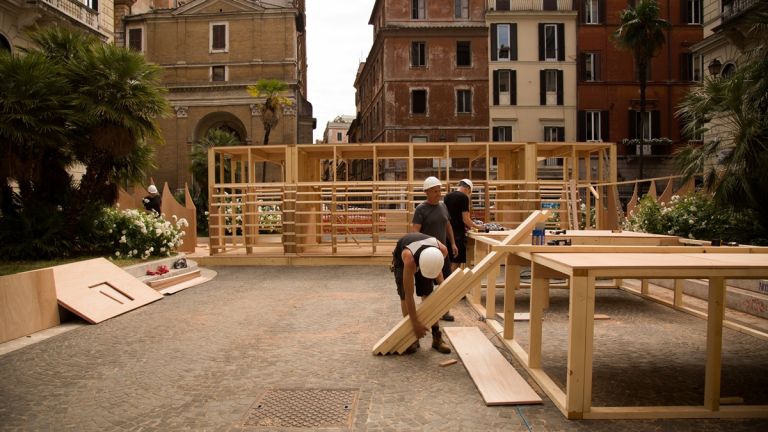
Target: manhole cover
(303,408)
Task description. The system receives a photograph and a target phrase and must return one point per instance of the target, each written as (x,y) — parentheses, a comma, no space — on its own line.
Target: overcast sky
(338,39)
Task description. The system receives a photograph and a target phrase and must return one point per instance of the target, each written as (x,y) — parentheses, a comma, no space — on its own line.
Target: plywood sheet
(27,304)
(496,379)
(97,290)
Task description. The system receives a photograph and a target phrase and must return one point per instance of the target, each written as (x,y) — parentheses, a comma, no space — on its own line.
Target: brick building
(426,76)
(211,50)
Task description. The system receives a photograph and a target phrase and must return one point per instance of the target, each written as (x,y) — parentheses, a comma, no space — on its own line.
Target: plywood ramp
(97,290)
(451,291)
(497,380)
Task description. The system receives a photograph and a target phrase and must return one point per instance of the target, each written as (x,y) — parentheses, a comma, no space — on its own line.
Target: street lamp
(714,67)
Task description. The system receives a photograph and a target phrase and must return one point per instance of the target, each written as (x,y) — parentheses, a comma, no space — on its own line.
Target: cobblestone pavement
(200,360)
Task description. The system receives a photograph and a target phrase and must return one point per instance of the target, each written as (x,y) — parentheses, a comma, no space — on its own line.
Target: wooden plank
(450,292)
(27,304)
(496,379)
(166,282)
(714,366)
(97,290)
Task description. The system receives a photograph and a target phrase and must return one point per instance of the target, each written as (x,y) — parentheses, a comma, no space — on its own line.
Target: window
(502,133)
(462,9)
(418,101)
(464,138)
(551,42)
(419,139)
(463,54)
(504,87)
(502,5)
(417,9)
(503,42)
(218,73)
(93,4)
(338,136)
(219,37)
(136,39)
(551,87)
(651,127)
(692,11)
(591,11)
(728,70)
(592,126)
(464,101)
(590,67)
(691,67)
(418,54)
(550,5)
(554,134)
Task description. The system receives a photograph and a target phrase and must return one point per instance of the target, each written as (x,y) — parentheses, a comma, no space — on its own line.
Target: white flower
(123,240)
(158,231)
(117,253)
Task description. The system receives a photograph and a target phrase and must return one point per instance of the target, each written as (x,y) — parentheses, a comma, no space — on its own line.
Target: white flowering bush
(138,234)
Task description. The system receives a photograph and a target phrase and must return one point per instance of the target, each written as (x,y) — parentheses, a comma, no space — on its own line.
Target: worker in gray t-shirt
(431,217)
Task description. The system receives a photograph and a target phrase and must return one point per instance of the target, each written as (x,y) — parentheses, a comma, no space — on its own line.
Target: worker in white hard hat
(153,202)
(458,204)
(417,261)
(431,217)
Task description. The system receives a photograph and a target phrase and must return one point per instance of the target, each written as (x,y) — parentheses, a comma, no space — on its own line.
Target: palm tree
(642,32)
(72,100)
(270,90)
(735,110)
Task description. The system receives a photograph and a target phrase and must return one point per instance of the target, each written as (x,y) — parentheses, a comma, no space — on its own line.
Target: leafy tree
(735,109)
(199,169)
(270,90)
(71,101)
(642,32)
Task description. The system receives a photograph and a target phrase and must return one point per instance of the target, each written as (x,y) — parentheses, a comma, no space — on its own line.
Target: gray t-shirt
(433,219)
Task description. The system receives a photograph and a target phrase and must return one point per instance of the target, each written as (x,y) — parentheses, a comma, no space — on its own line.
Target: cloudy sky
(338,39)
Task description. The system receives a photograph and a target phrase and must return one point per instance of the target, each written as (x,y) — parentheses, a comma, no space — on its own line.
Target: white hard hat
(431,262)
(152,189)
(467,182)
(431,182)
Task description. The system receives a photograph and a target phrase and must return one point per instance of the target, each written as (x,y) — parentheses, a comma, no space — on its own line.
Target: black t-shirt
(457,203)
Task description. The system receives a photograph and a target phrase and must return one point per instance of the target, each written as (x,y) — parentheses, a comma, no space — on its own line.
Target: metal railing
(736,7)
(75,10)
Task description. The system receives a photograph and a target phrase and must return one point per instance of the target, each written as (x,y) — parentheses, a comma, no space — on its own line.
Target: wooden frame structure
(615,259)
(319,208)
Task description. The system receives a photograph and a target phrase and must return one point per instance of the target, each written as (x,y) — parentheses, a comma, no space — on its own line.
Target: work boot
(413,348)
(438,344)
(447,316)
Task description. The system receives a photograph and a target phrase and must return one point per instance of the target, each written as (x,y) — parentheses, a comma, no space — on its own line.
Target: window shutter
(494,42)
(495,134)
(655,124)
(541,42)
(582,66)
(581,123)
(604,129)
(580,6)
(495,87)
(598,73)
(633,123)
(513,41)
(513,87)
(601,11)
(561,134)
(685,12)
(542,87)
(561,42)
(685,66)
(559,87)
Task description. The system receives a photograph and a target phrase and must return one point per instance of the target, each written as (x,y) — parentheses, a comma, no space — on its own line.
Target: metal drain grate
(303,408)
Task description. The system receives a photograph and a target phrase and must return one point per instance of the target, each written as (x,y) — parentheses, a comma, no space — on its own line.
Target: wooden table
(583,269)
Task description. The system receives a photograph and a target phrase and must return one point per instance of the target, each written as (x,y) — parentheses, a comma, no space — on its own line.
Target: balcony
(735,8)
(72,9)
(530,5)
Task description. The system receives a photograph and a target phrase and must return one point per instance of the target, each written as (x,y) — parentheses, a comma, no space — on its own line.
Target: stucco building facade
(210,51)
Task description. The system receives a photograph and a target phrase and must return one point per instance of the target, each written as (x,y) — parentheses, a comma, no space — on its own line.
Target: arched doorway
(224,121)
(4,43)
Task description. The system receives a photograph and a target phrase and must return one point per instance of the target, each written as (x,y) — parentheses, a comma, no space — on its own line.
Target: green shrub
(137,234)
(696,216)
